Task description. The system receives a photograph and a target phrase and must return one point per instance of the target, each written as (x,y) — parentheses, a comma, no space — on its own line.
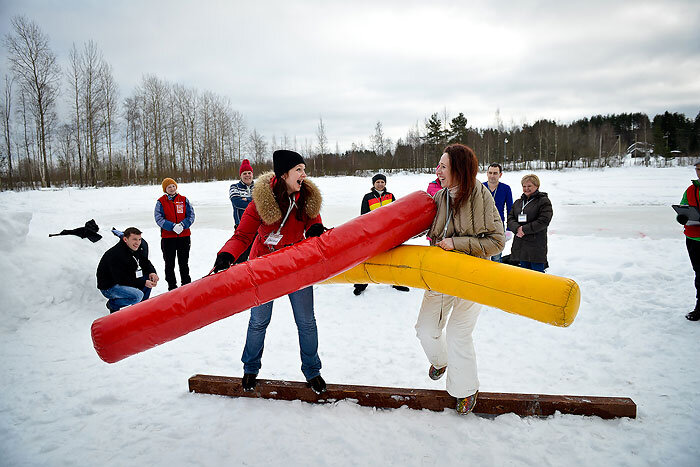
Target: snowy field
(613,232)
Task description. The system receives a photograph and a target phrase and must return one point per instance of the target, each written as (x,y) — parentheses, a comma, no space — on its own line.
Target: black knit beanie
(283,161)
(378,177)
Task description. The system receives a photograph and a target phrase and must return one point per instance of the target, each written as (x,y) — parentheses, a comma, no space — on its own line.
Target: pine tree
(458,129)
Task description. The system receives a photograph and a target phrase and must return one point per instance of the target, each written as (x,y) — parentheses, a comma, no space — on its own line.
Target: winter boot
(317,384)
(693,315)
(401,288)
(436,373)
(249,382)
(466,405)
(359,288)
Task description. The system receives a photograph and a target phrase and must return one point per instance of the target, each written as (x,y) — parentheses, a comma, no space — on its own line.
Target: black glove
(223,261)
(315,230)
(682,219)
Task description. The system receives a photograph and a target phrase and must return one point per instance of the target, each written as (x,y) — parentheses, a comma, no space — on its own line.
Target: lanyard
(380,198)
(449,216)
(292,204)
(493,193)
(522,211)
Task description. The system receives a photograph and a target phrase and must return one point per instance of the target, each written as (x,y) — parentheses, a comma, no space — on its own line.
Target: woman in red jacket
(285,209)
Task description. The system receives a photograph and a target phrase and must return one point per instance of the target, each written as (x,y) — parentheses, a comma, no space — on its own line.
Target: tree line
(167,129)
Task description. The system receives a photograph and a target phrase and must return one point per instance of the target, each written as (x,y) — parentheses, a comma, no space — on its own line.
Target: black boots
(401,288)
(317,384)
(249,382)
(693,315)
(359,288)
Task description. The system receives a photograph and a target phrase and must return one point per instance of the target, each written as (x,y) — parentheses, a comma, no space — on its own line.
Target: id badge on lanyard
(275,237)
(139,271)
(522,217)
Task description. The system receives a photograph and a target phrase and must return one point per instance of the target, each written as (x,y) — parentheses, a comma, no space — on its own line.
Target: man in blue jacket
(241,194)
(502,195)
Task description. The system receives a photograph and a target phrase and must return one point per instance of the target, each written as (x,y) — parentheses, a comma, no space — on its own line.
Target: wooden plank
(490,403)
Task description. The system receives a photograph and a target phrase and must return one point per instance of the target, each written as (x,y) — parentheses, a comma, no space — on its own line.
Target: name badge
(522,218)
(273,239)
(180,208)
(139,273)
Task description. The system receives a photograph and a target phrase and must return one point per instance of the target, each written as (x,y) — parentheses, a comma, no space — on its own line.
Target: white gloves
(178,229)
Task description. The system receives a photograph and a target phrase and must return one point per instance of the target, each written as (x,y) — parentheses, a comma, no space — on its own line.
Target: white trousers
(453,348)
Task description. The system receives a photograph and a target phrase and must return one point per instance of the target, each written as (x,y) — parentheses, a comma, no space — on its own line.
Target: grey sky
(285,64)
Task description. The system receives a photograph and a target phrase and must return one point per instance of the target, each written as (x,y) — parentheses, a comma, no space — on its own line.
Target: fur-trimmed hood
(267,206)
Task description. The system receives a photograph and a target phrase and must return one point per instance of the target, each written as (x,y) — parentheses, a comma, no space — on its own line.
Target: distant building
(640,149)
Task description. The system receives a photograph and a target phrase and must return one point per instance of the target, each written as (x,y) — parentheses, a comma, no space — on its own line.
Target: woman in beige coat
(466,221)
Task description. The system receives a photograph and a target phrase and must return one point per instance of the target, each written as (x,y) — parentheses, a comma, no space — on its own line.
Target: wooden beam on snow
(490,403)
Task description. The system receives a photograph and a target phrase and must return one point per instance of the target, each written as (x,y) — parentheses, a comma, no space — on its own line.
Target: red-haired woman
(466,221)
(285,209)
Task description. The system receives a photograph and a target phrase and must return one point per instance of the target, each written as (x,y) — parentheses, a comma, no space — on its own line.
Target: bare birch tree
(110,93)
(321,142)
(34,65)
(6,119)
(257,146)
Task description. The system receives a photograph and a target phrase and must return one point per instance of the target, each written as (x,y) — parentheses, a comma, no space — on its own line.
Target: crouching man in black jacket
(125,276)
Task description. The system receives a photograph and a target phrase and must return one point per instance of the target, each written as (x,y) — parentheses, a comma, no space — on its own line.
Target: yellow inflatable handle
(543,297)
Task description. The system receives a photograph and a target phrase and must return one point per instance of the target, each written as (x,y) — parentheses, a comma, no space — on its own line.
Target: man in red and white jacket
(174,215)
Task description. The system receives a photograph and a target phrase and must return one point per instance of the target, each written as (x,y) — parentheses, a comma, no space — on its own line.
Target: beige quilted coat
(476,229)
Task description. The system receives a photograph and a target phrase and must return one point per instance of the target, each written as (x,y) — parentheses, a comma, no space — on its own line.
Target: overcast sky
(284,64)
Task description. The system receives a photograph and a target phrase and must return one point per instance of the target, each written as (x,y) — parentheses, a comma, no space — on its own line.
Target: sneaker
(359,288)
(401,288)
(317,384)
(693,315)
(466,405)
(436,373)
(249,382)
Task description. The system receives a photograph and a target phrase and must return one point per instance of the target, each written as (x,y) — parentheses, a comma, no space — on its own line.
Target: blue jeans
(534,266)
(122,295)
(303,307)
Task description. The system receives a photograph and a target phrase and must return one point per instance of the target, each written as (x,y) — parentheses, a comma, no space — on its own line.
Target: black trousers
(693,247)
(180,247)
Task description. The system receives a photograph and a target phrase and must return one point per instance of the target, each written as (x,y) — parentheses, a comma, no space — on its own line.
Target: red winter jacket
(264,216)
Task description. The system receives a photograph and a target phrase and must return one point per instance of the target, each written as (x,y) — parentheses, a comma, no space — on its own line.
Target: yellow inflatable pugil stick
(543,297)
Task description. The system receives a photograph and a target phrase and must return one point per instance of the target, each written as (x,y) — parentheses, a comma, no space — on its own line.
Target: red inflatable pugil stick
(171,315)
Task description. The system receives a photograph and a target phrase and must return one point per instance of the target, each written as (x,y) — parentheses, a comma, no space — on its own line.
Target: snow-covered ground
(613,232)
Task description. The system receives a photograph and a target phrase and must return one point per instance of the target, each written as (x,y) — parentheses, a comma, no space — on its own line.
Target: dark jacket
(264,216)
(118,266)
(373,200)
(533,246)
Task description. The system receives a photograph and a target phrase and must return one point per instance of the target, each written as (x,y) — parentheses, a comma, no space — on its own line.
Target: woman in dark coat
(528,220)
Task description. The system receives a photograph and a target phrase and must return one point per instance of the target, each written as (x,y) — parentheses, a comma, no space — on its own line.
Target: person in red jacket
(692,238)
(286,209)
(174,215)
